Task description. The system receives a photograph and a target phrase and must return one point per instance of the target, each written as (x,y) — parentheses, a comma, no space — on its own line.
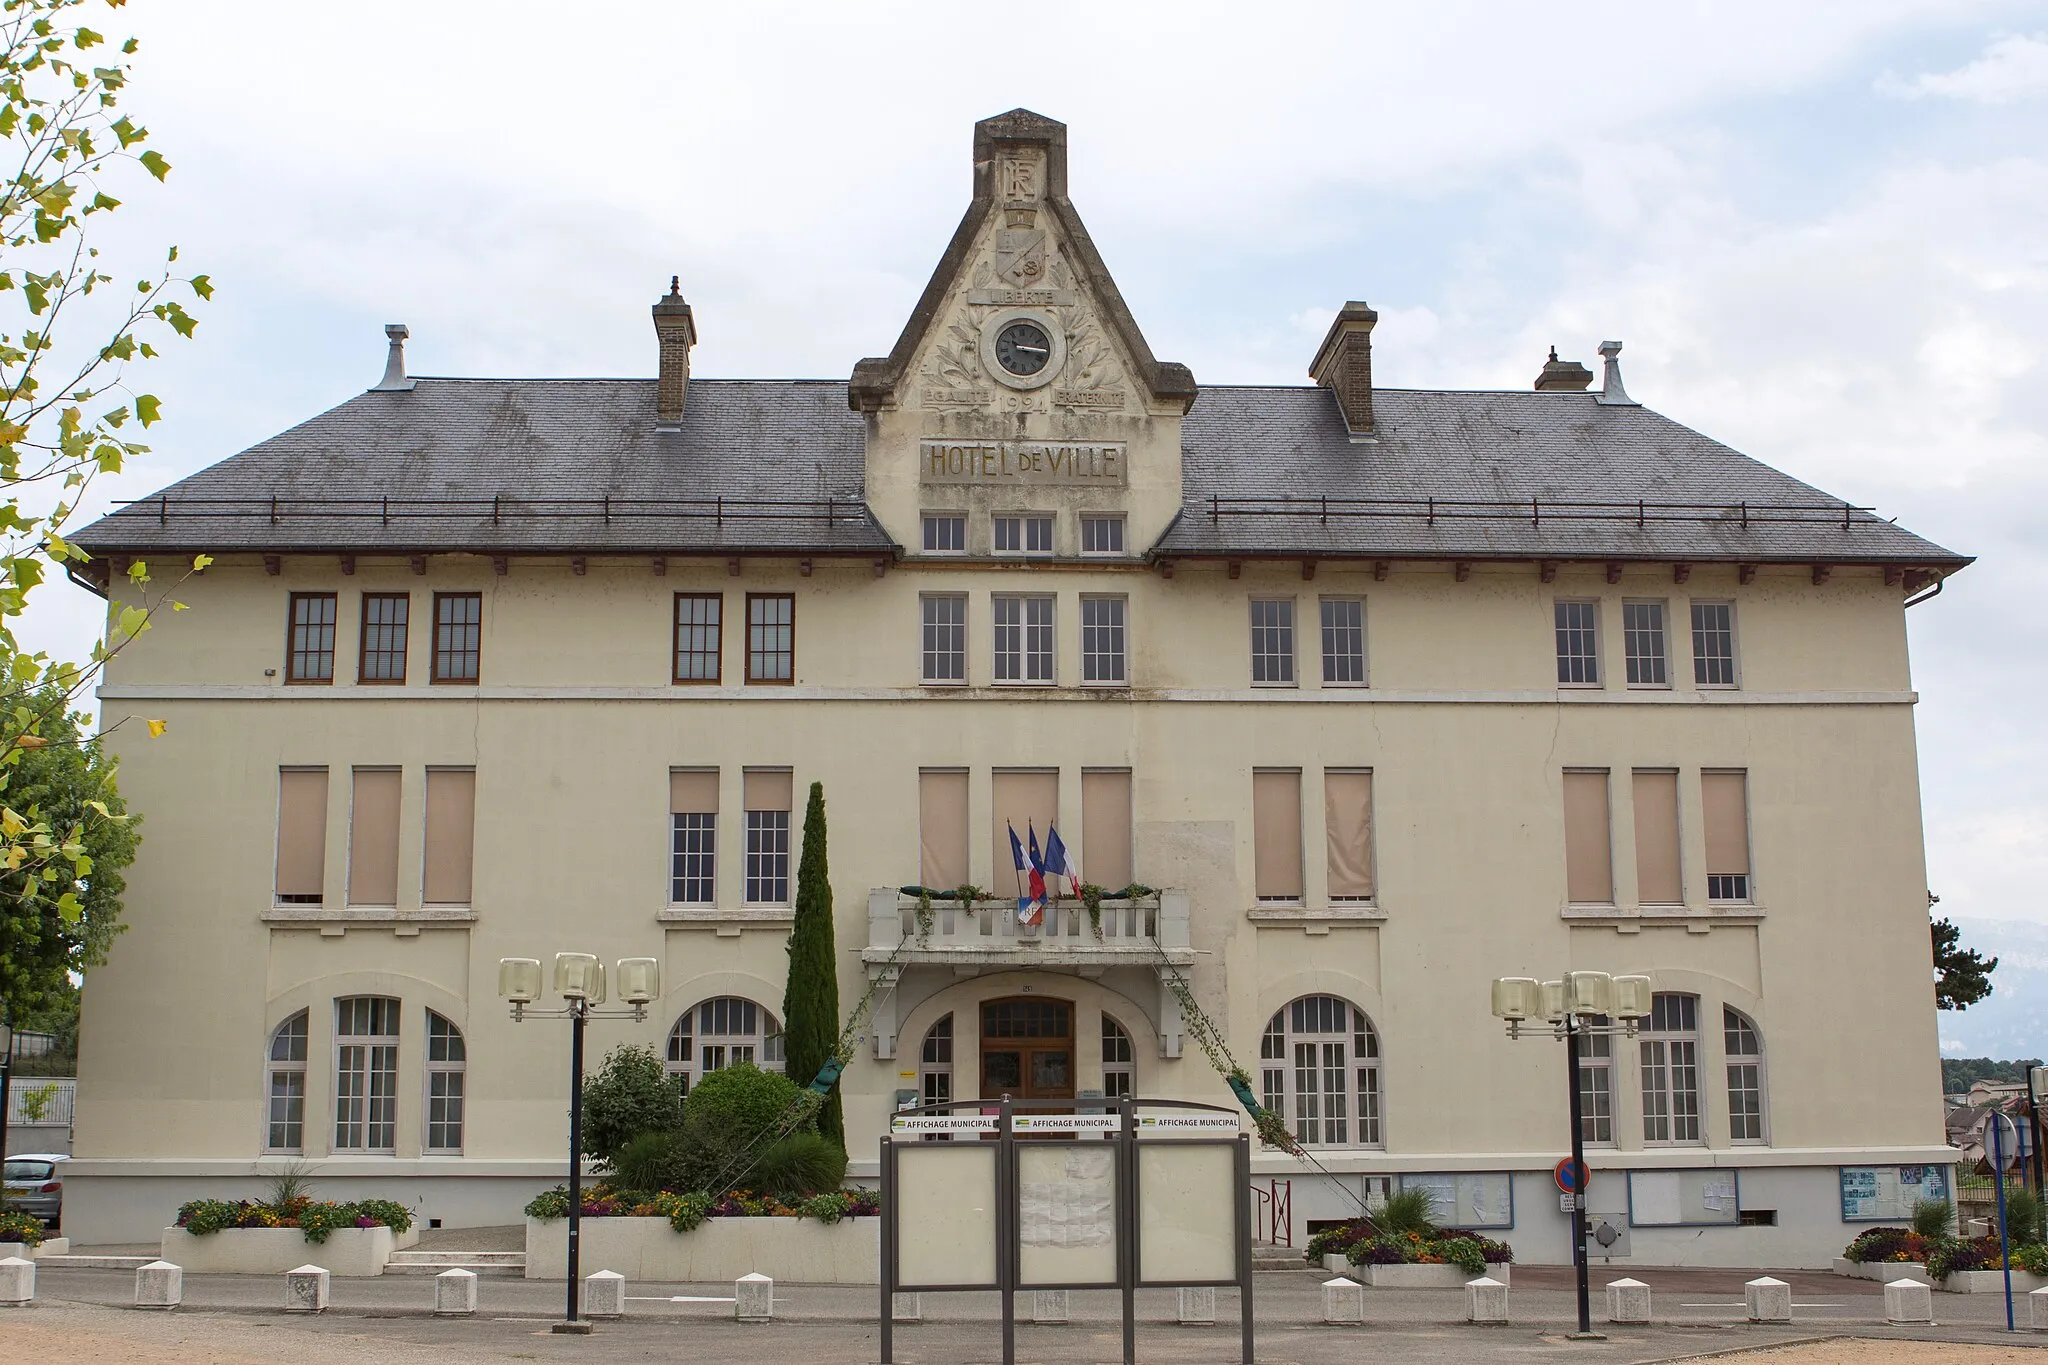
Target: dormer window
(945,533)
(1026,534)
(1102,535)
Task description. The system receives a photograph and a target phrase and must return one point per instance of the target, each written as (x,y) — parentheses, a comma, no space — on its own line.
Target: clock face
(1023,348)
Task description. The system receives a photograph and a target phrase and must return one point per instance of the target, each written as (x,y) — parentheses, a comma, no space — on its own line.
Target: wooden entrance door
(1027,1049)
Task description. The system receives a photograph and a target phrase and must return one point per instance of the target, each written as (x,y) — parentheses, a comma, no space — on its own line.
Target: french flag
(1059,860)
(1034,909)
(1029,908)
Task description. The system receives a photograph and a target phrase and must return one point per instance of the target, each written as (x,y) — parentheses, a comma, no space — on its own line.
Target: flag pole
(1016,867)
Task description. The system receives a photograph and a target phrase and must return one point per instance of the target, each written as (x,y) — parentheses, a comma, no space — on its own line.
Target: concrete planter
(787,1250)
(1423,1276)
(353,1252)
(49,1246)
(1884,1272)
(1990,1282)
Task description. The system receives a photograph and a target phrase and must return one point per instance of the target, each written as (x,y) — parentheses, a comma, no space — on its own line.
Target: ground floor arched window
(1320,1068)
(721,1032)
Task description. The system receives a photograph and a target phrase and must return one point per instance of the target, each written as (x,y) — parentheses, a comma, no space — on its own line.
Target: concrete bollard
(906,1307)
(753,1298)
(1486,1300)
(2037,1310)
(1628,1301)
(305,1290)
(1196,1307)
(604,1295)
(1343,1302)
(1909,1301)
(17,1281)
(1049,1305)
(455,1293)
(159,1285)
(1768,1300)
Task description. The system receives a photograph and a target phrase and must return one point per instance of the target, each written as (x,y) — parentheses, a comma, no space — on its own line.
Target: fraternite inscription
(1073,463)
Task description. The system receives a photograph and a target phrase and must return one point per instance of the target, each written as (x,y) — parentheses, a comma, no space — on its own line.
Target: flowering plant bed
(1468,1253)
(20,1227)
(316,1220)
(788,1250)
(1963,1265)
(1879,1245)
(687,1212)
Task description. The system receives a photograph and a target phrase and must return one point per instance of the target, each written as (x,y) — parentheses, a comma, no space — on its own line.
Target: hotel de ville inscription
(1069,464)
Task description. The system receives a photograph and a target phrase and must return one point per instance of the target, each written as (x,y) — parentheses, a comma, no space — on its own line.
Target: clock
(1023,348)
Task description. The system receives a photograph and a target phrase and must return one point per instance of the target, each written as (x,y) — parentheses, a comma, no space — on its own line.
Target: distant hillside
(2013,1022)
(1958,1074)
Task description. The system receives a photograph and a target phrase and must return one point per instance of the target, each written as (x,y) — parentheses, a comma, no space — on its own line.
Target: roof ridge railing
(1537,510)
(500,508)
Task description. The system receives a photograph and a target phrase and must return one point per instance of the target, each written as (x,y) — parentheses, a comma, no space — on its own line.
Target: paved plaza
(82,1315)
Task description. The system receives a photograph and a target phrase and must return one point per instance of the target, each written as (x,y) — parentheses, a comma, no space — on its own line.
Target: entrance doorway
(1027,1049)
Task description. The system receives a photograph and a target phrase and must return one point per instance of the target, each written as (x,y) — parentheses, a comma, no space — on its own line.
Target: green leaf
(202,286)
(153,162)
(148,407)
(69,908)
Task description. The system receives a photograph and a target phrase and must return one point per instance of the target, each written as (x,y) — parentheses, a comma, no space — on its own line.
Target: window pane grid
(1024,639)
(366,1074)
(384,629)
(1272,641)
(1745,1078)
(1343,642)
(1102,639)
(945,533)
(693,869)
(1713,644)
(1578,653)
(1024,535)
(1669,1050)
(1642,638)
(768,857)
(310,657)
(445,1058)
(1322,1069)
(286,1116)
(718,1033)
(458,636)
(945,639)
(771,638)
(1102,535)
(1117,1054)
(699,636)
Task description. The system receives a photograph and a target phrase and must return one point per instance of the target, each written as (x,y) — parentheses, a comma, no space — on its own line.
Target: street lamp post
(1569,1007)
(579,980)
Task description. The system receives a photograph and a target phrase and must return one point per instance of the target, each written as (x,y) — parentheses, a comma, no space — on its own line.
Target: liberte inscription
(1086,465)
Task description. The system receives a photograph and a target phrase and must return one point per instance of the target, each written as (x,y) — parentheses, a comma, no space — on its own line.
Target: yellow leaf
(157,728)
(31,742)
(199,563)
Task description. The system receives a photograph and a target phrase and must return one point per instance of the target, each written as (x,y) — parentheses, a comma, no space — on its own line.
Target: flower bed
(21,1228)
(247,1237)
(831,1239)
(1444,1258)
(1957,1264)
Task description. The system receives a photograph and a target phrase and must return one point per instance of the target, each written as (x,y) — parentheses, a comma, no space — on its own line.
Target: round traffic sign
(1571,1175)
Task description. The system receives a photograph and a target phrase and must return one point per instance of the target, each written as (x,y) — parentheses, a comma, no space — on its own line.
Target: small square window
(1024,534)
(945,533)
(1102,535)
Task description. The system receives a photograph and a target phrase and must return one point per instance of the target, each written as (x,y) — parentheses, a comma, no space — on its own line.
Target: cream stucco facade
(573,726)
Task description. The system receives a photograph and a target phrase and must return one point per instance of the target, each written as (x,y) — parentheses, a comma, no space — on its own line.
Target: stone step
(482,1272)
(96,1262)
(486,1264)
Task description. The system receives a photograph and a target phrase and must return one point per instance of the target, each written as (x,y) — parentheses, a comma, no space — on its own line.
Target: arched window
(1670,1048)
(365,1074)
(446,1057)
(285,1084)
(1745,1049)
(719,1033)
(935,1064)
(1322,1072)
(1117,1073)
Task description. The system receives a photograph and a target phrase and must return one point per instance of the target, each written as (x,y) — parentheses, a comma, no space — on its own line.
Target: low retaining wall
(1884,1272)
(351,1252)
(1990,1282)
(1409,1276)
(787,1250)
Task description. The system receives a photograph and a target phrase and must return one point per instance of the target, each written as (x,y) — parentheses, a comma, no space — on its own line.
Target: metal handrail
(605,509)
(1537,510)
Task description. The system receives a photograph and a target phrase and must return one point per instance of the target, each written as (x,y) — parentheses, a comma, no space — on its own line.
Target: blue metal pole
(2004,1245)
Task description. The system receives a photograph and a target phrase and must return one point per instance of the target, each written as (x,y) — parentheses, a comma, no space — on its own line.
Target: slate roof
(1514,475)
(786,457)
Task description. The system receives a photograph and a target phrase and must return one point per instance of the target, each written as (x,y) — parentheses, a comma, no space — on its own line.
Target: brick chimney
(677,329)
(1562,376)
(1343,365)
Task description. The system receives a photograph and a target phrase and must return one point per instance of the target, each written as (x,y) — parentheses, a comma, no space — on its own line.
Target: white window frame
(295,1029)
(1633,662)
(1119,1060)
(767,868)
(1559,627)
(926,627)
(1596,1085)
(693,842)
(446,1086)
(1105,645)
(1667,1053)
(740,1030)
(1734,682)
(1031,658)
(1096,519)
(1289,629)
(1300,1024)
(1733,1023)
(934,520)
(377,1071)
(1023,525)
(1324,629)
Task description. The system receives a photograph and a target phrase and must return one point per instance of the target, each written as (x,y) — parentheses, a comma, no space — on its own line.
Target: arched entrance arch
(1027,1047)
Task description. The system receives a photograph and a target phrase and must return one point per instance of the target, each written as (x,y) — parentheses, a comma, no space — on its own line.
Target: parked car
(35,1185)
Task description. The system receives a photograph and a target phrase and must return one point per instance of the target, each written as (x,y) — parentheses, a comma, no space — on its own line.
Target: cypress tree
(810,1000)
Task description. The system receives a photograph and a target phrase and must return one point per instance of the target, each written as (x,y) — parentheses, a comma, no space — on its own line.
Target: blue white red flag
(1034,909)
(1017,856)
(1059,860)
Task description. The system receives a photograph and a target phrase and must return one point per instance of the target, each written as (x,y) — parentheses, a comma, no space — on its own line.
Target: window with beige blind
(1656,812)
(1724,812)
(1029,800)
(450,846)
(693,836)
(766,795)
(1347,817)
(373,837)
(1106,827)
(942,828)
(301,835)
(1276,834)
(1588,847)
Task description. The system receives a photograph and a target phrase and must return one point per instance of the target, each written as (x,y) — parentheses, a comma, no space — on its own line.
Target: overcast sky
(1819,229)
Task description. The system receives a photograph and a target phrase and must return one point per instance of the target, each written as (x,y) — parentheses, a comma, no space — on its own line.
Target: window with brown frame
(699,636)
(382,658)
(458,636)
(309,641)
(771,638)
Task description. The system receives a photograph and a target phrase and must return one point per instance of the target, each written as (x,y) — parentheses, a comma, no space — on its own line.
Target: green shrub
(1406,1211)
(731,1115)
(20,1227)
(549,1205)
(1466,1253)
(629,1095)
(1931,1217)
(2032,1259)
(799,1167)
(2023,1211)
(650,1161)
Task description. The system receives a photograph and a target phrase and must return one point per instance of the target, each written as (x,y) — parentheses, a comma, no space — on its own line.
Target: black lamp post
(579,980)
(1569,1007)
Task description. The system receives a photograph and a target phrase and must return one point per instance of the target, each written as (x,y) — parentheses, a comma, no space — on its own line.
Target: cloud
(2013,68)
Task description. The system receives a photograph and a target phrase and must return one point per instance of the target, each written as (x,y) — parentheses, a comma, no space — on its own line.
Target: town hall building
(1366,697)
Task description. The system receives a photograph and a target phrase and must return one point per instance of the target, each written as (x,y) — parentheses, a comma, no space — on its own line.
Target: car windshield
(27,1170)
